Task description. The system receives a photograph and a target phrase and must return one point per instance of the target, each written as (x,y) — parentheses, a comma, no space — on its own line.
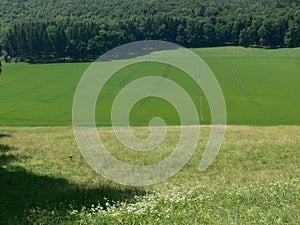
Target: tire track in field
(40,85)
(148,99)
(249,97)
(22,109)
(133,72)
(16,69)
(122,82)
(296,63)
(279,80)
(16,119)
(61,114)
(199,104)
(24,77)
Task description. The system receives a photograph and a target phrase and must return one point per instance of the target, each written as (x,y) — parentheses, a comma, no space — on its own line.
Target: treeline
(51,41)
(80,30)
(12,11)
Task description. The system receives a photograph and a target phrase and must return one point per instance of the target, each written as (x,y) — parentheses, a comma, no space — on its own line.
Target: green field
(253,180)
(261,87)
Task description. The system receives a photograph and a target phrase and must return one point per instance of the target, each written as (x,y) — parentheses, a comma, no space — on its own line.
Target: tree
(209,34)
(82,34)
(269,33)
(249,35)
(292,38)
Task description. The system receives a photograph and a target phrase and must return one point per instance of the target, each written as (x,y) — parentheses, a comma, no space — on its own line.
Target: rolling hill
(260,88)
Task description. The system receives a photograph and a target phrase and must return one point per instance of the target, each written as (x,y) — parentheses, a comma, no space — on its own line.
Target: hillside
(260,88)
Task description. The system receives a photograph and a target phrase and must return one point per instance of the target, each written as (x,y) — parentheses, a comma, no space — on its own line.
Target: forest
(81,30)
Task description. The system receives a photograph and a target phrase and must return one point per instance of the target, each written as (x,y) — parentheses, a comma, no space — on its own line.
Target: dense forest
(81,30)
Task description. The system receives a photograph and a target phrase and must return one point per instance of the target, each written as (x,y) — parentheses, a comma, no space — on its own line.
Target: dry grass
(45,180)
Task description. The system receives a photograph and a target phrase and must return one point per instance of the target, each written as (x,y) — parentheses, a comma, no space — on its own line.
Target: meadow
(254,179)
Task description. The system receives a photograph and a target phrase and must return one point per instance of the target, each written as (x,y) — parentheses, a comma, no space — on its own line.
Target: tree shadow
(140,48)
(21,191)
(5,135)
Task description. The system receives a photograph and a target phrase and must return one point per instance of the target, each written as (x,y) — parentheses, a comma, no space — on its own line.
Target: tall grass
(254,180)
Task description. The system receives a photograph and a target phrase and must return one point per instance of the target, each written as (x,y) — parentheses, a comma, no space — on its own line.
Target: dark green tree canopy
(55,30)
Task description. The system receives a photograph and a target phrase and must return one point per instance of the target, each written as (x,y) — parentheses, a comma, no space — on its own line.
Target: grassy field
(261,87)
(254,180)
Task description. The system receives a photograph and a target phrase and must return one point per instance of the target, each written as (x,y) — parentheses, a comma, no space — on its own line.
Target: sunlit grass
(254,180)
(260,87)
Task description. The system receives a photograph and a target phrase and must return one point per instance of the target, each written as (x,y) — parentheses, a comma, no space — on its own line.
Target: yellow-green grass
(254,180)
(261,87)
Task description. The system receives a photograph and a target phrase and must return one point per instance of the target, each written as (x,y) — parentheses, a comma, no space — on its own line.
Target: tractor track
(249,97)
(122,82)
(133,72)
(24,77)
(159,85)
(279,80)
(39,86)
(38,104)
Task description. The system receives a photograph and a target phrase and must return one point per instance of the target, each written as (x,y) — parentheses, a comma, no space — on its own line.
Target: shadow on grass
(5,135)
(21,191)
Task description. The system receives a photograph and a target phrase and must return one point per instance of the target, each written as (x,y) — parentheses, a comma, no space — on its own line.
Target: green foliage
(47,31)
(87,10)
(292,38)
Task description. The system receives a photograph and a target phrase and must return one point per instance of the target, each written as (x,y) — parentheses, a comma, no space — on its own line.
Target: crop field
(255,178)
(260,87)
